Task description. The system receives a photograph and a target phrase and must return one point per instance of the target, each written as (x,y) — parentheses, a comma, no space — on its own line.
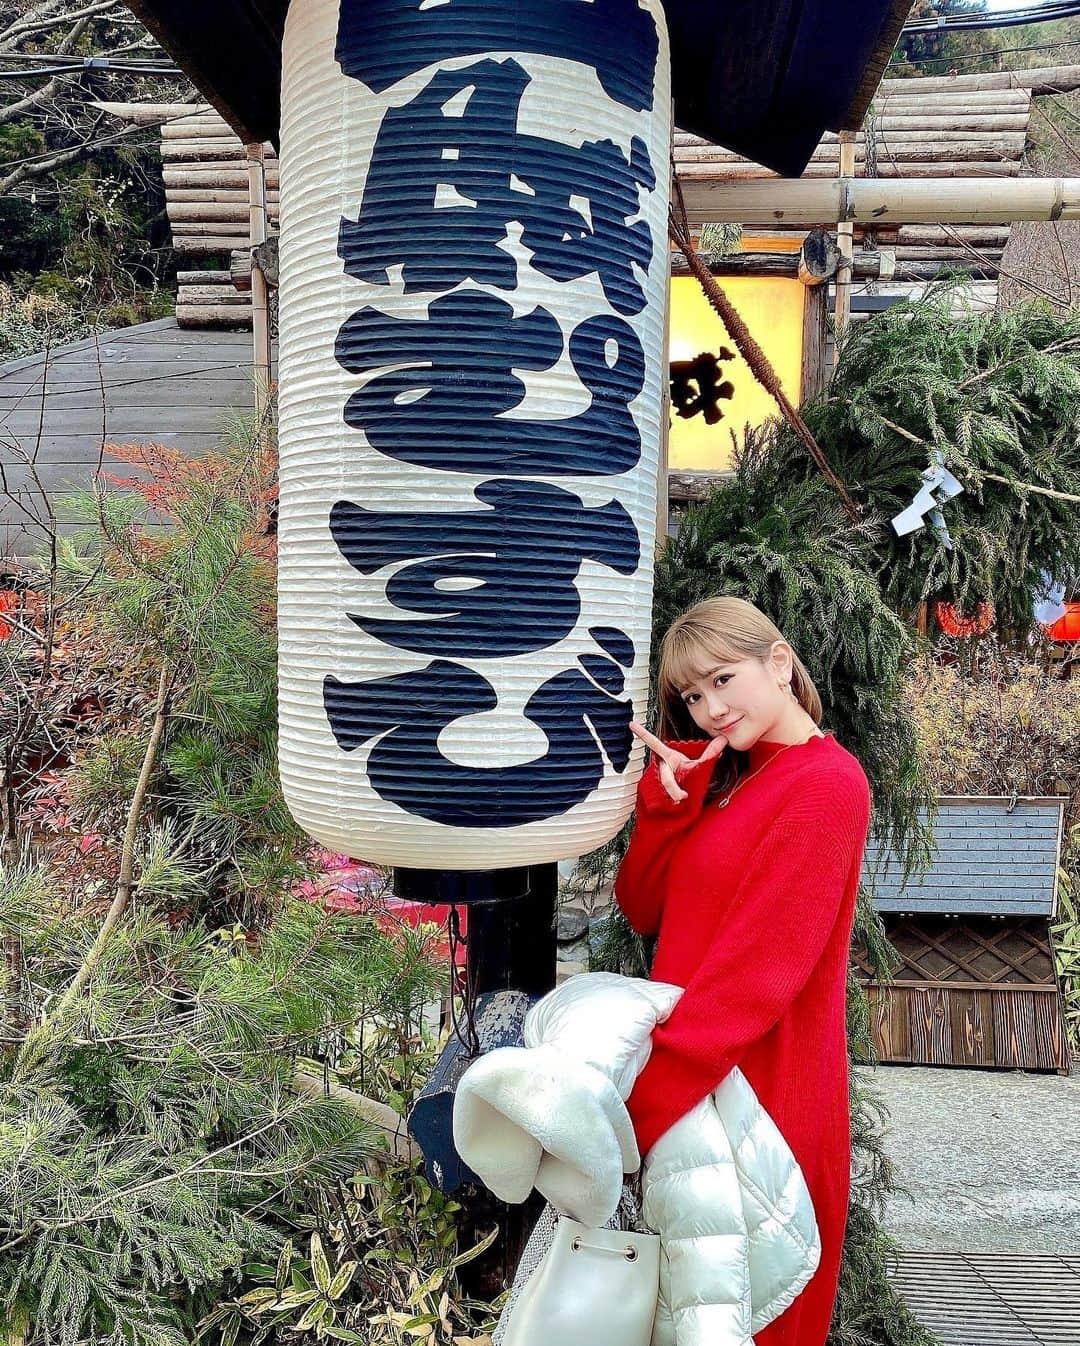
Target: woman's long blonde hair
(718,631)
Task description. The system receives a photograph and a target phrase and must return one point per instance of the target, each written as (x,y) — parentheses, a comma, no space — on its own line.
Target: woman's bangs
(691,657)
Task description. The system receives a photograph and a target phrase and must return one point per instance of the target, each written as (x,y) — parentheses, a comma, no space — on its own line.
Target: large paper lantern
(474,272)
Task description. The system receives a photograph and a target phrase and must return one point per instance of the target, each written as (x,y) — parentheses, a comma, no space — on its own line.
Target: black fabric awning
(765,78)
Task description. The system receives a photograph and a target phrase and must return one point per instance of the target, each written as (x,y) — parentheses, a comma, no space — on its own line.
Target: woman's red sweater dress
(754,905)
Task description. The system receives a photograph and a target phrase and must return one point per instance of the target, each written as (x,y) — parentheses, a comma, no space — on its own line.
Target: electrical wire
(951,23)
(982,55)
(44,59)
(96,64)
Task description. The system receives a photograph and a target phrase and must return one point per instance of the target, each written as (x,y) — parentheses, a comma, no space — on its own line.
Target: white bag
(594,1287)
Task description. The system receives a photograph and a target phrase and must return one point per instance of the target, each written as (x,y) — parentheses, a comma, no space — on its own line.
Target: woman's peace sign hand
(673,763)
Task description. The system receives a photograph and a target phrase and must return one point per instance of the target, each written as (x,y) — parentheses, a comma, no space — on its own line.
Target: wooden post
(663,504)
(260,304)
(813,377)
(845,238)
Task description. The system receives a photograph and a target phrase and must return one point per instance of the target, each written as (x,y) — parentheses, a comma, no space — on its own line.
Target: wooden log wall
(206,192)
(915,129)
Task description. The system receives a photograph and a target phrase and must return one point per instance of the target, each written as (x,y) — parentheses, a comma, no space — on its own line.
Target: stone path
(991,1158)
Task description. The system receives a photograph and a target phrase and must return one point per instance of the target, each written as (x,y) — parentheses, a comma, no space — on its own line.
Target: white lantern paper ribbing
(474,273)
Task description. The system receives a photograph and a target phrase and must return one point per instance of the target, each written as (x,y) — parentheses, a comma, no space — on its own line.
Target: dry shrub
(999,724)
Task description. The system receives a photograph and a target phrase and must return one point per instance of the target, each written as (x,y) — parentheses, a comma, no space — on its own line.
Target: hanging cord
(467,1035)
(755,357)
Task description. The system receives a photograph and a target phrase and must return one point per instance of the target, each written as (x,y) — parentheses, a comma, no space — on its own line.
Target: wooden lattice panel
(978,951)
(971,992)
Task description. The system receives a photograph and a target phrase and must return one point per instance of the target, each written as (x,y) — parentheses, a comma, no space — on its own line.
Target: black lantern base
(511,939)
(464,887)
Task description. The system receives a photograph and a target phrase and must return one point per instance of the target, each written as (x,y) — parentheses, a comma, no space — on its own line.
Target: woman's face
(744,701)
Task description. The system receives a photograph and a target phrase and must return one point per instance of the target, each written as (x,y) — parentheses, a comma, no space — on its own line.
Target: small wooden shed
(977,984)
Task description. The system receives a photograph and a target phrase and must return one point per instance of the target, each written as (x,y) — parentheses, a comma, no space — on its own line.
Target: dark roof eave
(874,71)
(239,69)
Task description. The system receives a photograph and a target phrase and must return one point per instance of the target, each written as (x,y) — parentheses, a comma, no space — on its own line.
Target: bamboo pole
(196,245)
(1039,79)
(260,302)
(181,227)
(893,93)
(211,176)
(222,295)
(192,151)
(188,128)
(882,265)
(222,278)
(153,114)
(212,315)
(213,196)
(844,239)
(194,212)
(875,200)
(829,141)
(938,150)
(383,1118)
(975,168)
(929,235)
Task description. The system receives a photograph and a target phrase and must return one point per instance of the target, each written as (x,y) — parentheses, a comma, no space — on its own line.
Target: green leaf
(421,1322)
(260,1298)
(342,1280)
(284,1263)
(481,1247)
(313,1316)
(320,1267)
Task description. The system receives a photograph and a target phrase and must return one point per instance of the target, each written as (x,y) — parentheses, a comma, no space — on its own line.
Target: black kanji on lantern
(473,574)
(617,38)
(449,382)
(462,192)
(473,175)
(580,711)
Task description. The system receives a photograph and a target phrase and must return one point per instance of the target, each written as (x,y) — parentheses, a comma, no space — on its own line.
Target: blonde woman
(745,861)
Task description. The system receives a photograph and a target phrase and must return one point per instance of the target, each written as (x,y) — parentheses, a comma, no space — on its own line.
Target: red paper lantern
(1067,626)
(953,622)
(9,600)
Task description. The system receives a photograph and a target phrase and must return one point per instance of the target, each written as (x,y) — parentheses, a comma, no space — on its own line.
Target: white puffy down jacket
(738,1236)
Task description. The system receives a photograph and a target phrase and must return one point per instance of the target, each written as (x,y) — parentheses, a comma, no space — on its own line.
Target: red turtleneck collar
(765,748)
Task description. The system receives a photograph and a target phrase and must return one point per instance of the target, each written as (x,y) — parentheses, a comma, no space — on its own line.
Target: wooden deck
(153,383)
(993,1299)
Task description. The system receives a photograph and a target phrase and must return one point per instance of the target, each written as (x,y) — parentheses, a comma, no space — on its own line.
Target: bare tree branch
(35,168)
(12,36)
